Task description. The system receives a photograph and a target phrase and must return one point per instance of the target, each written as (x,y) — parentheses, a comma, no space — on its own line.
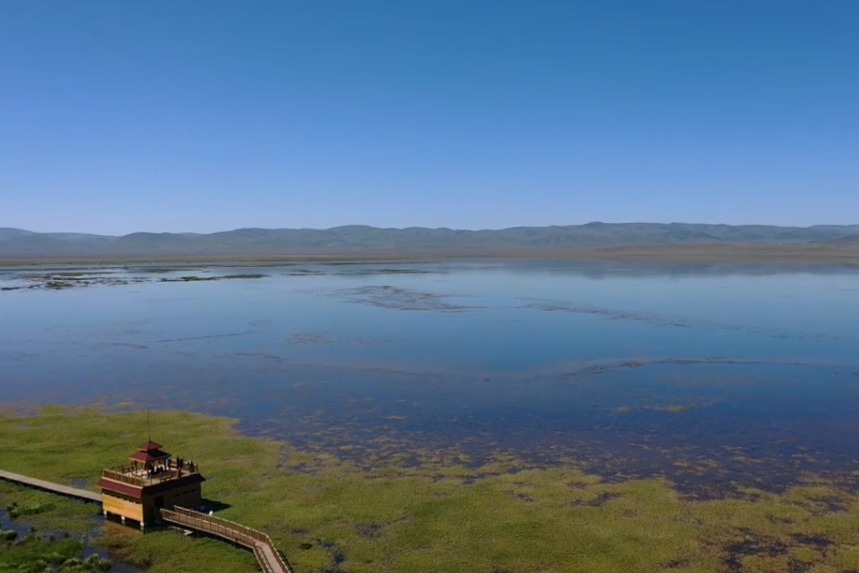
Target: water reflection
(706,375)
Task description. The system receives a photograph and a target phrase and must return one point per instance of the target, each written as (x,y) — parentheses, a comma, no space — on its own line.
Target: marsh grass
(46,512)
(35,554)
(328,515)
(49,533)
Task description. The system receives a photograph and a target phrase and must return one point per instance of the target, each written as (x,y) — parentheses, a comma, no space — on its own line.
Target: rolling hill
(353,239)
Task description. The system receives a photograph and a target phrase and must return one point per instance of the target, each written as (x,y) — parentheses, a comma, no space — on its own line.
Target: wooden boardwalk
(52,487)
(269,558)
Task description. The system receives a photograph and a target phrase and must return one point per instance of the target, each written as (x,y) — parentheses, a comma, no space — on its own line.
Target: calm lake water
(698,374)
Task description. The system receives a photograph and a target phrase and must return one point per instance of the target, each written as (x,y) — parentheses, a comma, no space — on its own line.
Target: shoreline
(705,254)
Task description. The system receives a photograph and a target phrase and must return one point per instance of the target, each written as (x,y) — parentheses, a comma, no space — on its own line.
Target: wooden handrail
(251,538)
(123,474)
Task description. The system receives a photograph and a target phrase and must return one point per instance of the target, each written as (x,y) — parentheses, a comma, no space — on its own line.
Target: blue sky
(121,116)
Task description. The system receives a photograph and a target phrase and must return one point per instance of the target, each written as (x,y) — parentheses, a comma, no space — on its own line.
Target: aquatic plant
(329,515)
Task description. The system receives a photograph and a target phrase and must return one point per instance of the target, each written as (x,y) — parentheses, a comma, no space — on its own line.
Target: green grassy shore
(330,516)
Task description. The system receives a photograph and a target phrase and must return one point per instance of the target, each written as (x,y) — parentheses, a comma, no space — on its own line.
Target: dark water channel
(90,538)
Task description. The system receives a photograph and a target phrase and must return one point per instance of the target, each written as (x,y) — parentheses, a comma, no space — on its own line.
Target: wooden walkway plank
(267,555)
(52,487)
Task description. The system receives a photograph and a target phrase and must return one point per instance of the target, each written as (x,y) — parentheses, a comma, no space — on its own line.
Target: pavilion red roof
(150,456)
(149,446)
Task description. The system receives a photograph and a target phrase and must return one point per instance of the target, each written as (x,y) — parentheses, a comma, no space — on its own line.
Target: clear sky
(120,115)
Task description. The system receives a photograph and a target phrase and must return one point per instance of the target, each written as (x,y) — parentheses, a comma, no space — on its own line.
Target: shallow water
(696,373)
(89,539)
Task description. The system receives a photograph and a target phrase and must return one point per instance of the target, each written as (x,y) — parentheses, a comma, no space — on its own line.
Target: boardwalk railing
(267,555)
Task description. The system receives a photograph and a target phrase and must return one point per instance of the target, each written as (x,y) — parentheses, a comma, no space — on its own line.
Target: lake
(705,375)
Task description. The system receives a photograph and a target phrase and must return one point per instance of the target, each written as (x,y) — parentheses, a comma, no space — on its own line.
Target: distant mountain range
(18,243)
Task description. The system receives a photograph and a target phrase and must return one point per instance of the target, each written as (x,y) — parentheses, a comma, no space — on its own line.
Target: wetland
(533,415)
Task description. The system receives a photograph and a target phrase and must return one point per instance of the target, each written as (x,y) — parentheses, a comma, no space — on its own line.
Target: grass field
(328,516)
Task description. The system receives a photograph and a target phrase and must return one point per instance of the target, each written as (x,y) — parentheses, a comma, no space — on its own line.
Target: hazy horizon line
(440,228)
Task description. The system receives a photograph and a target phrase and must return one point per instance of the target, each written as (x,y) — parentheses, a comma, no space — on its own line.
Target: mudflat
(710,254)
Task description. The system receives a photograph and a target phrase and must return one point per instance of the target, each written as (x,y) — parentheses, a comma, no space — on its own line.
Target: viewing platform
(142,477)
(152,481)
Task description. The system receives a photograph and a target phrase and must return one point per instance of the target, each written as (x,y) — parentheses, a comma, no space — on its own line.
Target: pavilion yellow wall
(122,507)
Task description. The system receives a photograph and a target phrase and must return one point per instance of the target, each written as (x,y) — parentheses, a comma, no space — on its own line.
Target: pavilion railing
(126,474)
